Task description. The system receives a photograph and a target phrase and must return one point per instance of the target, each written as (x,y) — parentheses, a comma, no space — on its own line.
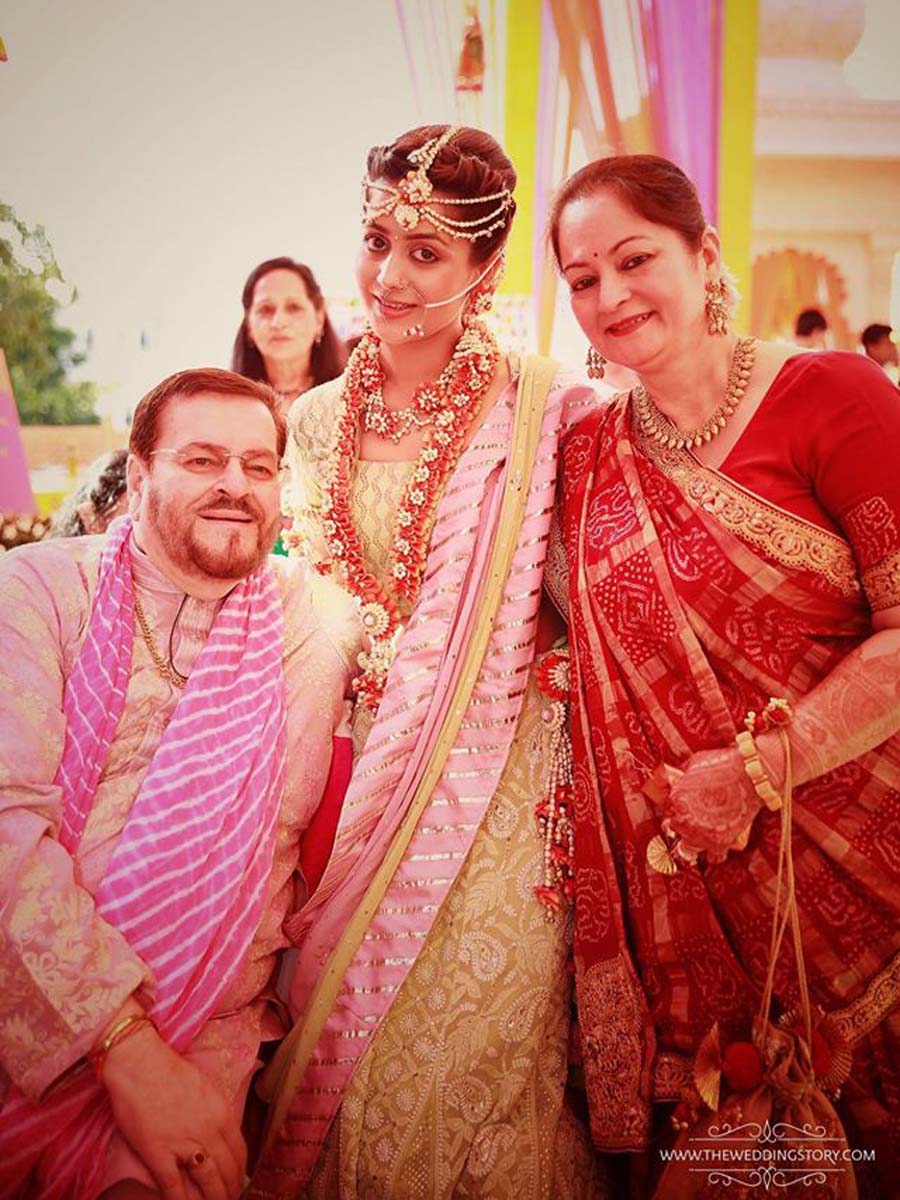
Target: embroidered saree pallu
(692,602)
(187,879)
(431,765)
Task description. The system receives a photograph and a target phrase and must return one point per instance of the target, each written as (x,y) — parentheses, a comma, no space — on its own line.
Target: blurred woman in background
(285,338)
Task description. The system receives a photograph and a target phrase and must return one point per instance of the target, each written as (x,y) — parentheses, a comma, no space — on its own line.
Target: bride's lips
(628,325)
(392,308)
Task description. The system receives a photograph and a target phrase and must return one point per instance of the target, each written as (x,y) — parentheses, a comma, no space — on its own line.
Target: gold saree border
(881,995)
(787,538)
(285,1073)
(611,1019)
(882,583)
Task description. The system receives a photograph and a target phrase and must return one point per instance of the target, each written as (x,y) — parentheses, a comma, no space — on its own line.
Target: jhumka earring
(479,302)
(716,309)
(596,363)
(481,298)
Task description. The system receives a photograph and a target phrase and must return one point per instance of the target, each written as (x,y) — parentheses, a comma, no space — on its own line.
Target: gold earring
(596,363)
(716,309)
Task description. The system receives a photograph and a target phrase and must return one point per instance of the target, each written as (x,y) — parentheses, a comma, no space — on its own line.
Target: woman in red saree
(732,532)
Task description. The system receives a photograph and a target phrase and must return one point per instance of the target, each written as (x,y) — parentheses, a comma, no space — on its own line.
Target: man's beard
(235,559)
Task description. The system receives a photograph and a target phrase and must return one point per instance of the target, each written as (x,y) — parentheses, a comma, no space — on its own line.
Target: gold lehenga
(461,1092)
(377,490)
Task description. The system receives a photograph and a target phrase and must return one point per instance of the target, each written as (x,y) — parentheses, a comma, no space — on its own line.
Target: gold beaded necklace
(165,668)
(657,426)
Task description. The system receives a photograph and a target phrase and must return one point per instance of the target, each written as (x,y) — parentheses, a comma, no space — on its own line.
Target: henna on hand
(855,708)
(712,805)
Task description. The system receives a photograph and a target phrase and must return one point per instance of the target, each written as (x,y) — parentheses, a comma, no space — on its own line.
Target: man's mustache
(234,506)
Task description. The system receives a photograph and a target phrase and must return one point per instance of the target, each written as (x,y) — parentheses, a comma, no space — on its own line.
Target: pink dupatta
(419,692)
(187,880)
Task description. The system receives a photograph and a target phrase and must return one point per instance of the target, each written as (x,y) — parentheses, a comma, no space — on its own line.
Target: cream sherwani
(64,971)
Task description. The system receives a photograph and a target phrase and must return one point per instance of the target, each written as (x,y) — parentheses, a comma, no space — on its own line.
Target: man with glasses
(169,699)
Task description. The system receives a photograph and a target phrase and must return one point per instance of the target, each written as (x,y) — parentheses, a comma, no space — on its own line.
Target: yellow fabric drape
(523,61)
(736,144)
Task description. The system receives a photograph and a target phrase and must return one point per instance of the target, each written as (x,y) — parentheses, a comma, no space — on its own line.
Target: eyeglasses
(212,462)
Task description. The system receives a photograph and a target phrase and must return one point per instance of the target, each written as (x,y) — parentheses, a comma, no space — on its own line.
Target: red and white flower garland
(456,398)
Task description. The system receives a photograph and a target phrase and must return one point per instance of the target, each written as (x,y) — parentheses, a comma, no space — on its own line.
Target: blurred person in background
(881,348)
(285,338)
(811,329)
(99,499)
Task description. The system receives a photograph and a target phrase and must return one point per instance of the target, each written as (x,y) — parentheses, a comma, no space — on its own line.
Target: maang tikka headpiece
(413,200)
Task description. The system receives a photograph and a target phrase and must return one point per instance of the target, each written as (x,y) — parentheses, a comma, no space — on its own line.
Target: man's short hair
(147,415)
(808,322)
(872,334)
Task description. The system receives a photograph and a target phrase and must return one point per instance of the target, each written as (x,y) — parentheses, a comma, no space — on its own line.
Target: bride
(432,992)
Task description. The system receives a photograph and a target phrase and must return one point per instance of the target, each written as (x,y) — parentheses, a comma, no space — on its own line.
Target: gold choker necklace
(165,668)
(657,426)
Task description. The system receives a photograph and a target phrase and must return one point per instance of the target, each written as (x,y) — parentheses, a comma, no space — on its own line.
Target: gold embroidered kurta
(64,971)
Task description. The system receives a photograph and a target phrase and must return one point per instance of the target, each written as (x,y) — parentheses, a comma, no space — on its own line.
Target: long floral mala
(450,405)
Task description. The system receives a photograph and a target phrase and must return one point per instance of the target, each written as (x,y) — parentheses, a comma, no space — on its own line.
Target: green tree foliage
(39,351)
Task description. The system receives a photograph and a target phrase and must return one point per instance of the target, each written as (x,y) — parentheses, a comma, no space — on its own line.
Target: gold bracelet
(119,1033)
(755,768)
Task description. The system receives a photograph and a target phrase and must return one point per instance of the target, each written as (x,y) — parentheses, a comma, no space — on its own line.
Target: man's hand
(174,1119)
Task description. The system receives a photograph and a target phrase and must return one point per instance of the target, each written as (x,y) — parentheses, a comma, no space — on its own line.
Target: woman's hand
(711,804)
(174,1119)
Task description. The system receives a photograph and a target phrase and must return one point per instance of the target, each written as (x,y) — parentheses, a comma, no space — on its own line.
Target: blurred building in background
(826,199)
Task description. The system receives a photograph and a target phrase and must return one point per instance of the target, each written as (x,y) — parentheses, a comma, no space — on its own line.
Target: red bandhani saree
(693,600)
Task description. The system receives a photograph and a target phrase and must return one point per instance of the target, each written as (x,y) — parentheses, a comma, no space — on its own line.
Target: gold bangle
(756,771)
(119,1033)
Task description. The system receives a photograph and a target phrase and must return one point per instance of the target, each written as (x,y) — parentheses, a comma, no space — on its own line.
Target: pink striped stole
(187,880)
(418,694)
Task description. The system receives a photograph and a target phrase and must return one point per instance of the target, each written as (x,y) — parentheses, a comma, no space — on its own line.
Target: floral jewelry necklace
(458,395)
(395,424)
(657,426)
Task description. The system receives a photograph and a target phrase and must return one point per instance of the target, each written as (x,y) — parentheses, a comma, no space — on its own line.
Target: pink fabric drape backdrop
(683,56)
